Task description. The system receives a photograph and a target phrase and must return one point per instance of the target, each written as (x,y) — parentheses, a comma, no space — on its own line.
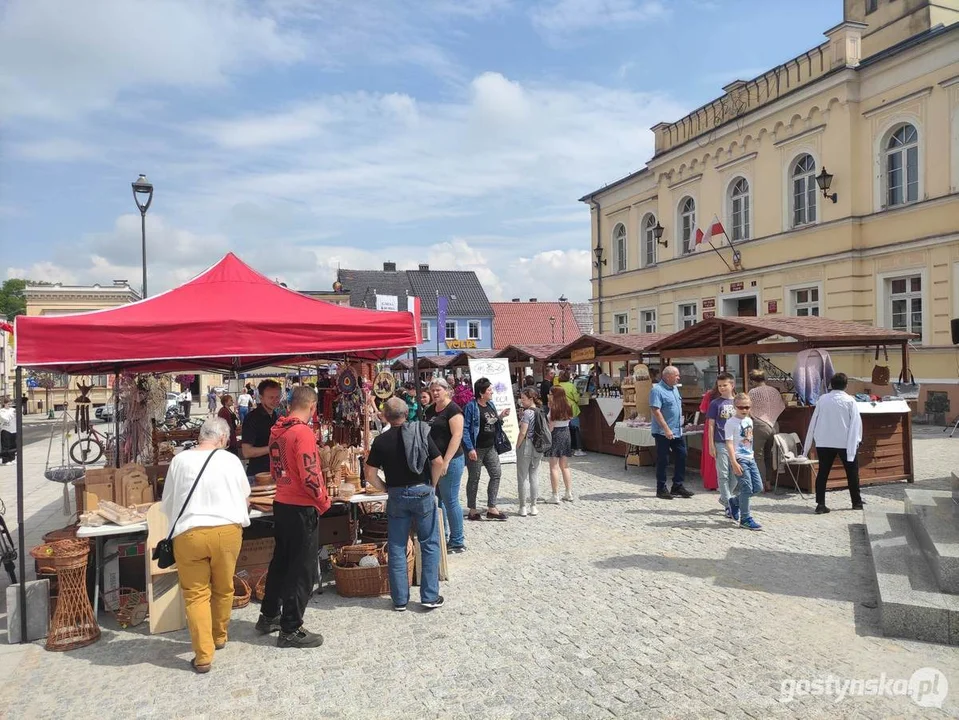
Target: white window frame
(648,240)
(793,305)
(644,321)
(681,317)
(446,330)
(621,323)
(748,209)
(470,324)
(686,245)
(908,296)
(880,194)
(884,300)
(620,242)
(903,153)
(809,191)
(425,329)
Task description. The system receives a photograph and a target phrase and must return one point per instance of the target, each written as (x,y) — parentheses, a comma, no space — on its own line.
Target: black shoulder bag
(163,552)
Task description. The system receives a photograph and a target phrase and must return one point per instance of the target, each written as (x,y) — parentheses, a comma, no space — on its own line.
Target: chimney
(424,267)
(532,299)
(845,41)
(515,300)
(389,267)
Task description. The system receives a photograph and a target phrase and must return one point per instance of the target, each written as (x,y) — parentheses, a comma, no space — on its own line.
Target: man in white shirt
(8,432)
(836,428)
(186,402)
(244,403)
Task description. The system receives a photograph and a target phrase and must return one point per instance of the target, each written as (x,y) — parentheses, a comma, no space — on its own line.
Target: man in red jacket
(301,498)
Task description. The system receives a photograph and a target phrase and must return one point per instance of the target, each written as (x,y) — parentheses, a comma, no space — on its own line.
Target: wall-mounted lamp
(598,252)
(658,234)
(824,181)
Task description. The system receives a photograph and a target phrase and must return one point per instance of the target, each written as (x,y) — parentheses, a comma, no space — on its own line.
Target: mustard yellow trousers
(205,561)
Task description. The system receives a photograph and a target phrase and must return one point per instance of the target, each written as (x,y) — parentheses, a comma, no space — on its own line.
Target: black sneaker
(821,509)
(399,608)
(299,639)
(437,603)
(266,625)
(456,549)
(663,495)
(680,491)
(858,505)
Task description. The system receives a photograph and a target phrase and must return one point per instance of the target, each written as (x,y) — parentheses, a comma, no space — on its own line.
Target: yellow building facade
(877,106)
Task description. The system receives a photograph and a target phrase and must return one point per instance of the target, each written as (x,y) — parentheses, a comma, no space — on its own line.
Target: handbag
(907,390)
(501,443)
(880,373)
(163,552)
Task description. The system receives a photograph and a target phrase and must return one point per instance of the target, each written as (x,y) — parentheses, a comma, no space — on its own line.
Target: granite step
(910,602)
(934,518)
(955,488)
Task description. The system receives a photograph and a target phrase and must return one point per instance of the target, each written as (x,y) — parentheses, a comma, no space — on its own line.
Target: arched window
(739,209)
(902,165)
(687,224)
(649,240)
(804,190)
(619,247)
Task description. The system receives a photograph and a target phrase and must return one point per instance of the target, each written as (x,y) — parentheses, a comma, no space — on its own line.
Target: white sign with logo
(387,302)
(497,372)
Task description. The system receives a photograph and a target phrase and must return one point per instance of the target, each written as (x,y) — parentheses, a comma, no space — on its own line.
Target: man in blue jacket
(481,421)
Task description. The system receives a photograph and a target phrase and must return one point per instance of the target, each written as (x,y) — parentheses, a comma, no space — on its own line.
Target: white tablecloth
(610,408)
(639,436)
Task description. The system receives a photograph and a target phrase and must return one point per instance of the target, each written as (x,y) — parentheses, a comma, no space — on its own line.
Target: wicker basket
(241,592)
(259,590)
(366,582)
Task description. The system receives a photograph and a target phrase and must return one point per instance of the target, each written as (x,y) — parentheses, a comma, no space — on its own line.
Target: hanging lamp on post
(143,196)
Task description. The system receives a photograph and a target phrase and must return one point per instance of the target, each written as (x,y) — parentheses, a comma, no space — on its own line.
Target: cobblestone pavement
(619,605)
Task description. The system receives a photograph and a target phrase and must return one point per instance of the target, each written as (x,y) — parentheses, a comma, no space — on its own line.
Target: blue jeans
(409,507)
(449,492)
(677,448)
(750,483)
(244,411)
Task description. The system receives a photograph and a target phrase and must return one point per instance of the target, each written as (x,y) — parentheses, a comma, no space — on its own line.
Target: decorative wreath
(346,381)
(384,385)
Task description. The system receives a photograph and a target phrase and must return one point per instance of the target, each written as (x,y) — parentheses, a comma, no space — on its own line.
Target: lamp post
(598,252)
(552,323)
(563,304)
(824,181)
(143,188)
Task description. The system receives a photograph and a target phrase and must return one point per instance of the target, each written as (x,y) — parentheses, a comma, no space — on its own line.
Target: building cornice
(898,101)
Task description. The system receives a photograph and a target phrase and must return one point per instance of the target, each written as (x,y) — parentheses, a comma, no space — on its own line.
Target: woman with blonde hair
(560,414)
(527,457)
(205,499)
(445,419)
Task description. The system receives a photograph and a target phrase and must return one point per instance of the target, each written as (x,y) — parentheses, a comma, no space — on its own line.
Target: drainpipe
(599,272)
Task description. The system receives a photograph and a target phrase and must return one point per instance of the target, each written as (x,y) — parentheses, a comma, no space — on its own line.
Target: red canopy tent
(229,318)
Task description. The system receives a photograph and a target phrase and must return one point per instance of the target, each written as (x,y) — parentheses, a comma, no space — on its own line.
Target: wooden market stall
(599,414)
(532,357)
(886,451)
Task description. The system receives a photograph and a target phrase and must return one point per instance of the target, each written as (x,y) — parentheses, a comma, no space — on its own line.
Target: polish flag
(715,229)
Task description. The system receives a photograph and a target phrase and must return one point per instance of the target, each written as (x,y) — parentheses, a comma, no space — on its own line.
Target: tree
(12,301)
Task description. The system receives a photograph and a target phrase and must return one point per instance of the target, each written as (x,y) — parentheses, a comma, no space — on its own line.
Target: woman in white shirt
(8,432)
(208,535)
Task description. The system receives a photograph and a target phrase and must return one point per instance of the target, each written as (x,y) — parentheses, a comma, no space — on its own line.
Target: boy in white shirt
(739,445)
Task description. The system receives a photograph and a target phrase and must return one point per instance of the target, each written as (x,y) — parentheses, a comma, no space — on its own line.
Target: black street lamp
(658,234)
(824,181)
(552,323)
(563,304)
(143,187)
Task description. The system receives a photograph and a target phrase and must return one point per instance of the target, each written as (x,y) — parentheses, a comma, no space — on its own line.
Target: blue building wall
(485,341)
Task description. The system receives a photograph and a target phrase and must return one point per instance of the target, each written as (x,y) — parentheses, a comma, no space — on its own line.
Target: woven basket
(241,592)
(259,590)
(66,553)
(367,582)
(352,554)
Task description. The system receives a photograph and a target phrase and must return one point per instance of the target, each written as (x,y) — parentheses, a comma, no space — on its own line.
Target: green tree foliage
(12,302)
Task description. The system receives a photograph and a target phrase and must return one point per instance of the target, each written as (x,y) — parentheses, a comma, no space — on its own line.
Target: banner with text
(497,372)
(389,303)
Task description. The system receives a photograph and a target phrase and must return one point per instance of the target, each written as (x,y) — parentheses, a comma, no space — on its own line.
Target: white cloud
(563,17)
(55,150)
(62,58)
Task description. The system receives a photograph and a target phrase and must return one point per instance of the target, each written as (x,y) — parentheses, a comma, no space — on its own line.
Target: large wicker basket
(241,592)
(361,581)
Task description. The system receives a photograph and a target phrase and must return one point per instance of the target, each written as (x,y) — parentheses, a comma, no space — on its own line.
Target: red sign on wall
(709,303)
(736,287)
(708,314)
(772,307)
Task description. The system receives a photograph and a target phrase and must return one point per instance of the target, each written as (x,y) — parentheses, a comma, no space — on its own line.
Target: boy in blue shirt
(739,445)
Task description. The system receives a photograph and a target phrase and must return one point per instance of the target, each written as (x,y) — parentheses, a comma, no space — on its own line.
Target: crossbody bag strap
(186,502)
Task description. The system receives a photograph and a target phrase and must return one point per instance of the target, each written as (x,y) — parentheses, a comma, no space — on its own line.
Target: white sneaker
(568,497)
(579,453)
(554,499)
(522,511)
(533,510)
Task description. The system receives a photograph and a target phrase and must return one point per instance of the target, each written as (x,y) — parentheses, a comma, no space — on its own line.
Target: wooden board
(167,610)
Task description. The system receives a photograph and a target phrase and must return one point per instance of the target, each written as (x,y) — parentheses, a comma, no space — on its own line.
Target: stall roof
(794,333)
(525,353)
(463,358)
(228,318)
(425,362)
(610,345)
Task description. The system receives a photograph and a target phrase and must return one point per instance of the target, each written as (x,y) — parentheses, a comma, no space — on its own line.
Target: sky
(306,135)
